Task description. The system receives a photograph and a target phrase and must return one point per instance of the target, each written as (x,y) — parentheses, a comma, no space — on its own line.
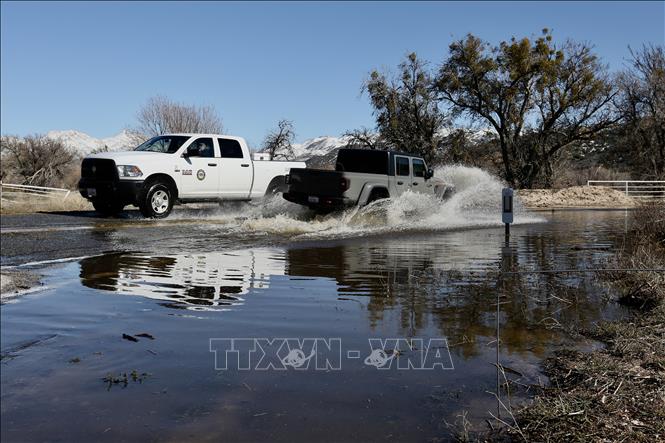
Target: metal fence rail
(647,189)
(9,190)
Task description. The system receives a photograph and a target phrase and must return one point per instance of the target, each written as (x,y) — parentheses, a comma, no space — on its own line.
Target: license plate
(311,199)
(92,192)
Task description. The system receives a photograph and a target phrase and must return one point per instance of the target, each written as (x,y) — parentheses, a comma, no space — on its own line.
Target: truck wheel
(377,194)
(156,200)
(107,208)
(277,185)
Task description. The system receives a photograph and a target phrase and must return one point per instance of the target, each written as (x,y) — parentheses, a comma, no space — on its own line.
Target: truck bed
(266,171)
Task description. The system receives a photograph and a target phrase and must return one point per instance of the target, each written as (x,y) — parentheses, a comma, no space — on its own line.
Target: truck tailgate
(319,182)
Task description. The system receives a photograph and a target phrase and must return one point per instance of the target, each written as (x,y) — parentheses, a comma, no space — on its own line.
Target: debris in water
(145,335)
(130,337)
(123,378)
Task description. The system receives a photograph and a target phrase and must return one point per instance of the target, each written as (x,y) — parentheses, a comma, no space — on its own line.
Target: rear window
(365,161)
(229,148)
(402,165)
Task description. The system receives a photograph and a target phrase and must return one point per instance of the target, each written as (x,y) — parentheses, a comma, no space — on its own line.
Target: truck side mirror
(429,174)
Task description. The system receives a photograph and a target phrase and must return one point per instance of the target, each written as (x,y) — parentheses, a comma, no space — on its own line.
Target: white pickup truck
(362,176)
(179,168)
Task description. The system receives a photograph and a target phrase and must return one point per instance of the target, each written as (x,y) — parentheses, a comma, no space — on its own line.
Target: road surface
(28,238)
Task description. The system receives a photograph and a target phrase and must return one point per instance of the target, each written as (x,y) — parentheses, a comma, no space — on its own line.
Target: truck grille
(99,169)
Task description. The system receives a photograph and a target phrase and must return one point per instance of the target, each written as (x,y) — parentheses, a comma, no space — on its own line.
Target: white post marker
(507,213)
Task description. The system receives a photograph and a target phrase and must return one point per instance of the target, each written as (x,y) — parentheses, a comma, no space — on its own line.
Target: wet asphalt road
(28,238)
(48,236)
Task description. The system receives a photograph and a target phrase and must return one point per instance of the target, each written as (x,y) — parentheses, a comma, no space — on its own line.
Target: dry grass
(645,250)
(27,205)
(617,393)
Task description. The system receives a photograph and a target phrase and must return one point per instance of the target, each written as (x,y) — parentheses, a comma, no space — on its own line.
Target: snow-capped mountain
(319,152)
(84,143)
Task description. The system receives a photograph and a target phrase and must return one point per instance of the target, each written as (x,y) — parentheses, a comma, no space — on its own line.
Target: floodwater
(336,286)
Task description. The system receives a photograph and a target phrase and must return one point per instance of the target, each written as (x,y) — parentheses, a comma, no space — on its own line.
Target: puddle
(410,286)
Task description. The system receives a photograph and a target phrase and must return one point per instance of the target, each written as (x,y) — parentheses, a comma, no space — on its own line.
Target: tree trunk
(510,178)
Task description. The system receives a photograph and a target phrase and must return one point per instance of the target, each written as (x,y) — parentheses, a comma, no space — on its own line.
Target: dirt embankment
(575,197)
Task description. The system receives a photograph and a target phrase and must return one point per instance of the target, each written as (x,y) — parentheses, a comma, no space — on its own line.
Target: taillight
(344,184)
(287,179)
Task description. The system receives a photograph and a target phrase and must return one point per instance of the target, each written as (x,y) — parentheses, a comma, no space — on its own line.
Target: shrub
(36,160)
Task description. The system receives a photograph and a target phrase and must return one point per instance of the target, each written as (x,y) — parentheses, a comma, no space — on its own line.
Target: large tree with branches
(538,97)
(406,108)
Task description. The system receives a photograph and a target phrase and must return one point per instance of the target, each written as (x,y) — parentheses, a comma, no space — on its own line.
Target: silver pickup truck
(362,176)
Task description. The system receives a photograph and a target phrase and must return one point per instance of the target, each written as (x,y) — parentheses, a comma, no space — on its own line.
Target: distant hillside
(84,143)
(320,152)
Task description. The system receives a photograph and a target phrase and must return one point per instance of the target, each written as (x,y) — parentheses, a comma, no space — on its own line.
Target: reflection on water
(191,281)
(445,285)
(423,286)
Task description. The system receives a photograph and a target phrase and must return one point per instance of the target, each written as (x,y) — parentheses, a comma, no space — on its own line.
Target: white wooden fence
(9,191)
(634,188)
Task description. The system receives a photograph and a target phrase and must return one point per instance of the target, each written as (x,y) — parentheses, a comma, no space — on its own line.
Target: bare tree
(642,105)
(279,142)
(35,160)
(364,138)
(161,115)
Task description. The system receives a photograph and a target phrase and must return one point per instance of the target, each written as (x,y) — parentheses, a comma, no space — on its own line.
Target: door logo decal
(200,174)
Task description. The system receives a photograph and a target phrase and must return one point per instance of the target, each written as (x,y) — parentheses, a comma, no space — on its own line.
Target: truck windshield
(167,144)
(362,160)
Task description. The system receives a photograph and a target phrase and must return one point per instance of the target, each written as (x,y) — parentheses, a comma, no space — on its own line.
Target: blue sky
(90,66)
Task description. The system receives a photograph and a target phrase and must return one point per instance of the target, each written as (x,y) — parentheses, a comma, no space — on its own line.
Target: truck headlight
(129,171)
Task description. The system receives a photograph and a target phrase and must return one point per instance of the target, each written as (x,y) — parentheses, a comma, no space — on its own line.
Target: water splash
(476,202)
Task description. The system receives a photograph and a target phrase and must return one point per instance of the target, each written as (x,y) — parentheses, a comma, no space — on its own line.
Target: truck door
(418,182)
(199,170)
(402,175)
(236,172)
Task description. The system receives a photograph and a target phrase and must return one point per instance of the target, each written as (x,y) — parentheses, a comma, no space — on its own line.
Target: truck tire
(377,194)
(277,185)
(107,208)
(156,199)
